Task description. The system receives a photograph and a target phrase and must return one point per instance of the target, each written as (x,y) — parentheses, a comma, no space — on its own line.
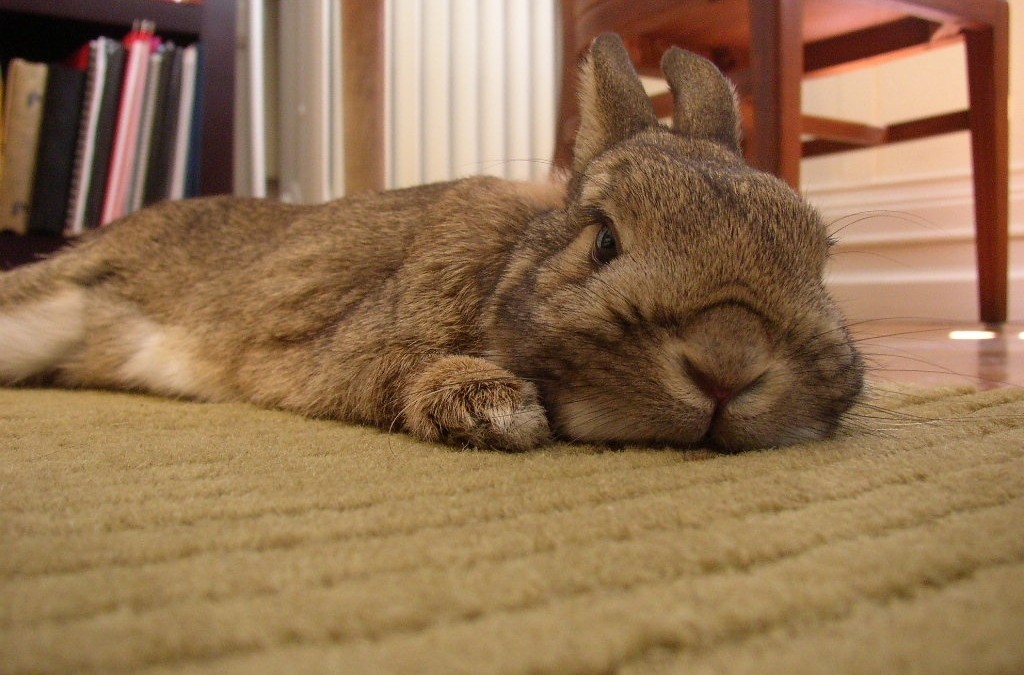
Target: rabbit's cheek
(602,415)
(794,403)
(767,432)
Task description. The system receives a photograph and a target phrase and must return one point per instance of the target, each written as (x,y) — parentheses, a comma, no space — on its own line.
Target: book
(183,134)
(58,137)
(85,149)
(192,163)
(106,122)
(146,129)
(23,114)
(138,44)
(161,156)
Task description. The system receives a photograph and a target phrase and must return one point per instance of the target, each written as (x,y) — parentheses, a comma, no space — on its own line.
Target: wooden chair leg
(988,75)
(363,85)
(568,106)
(777,66)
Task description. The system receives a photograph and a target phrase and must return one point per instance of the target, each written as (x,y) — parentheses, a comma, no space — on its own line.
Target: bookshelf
(51,30)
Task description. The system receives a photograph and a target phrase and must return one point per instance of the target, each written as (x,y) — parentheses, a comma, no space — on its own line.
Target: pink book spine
(139,44)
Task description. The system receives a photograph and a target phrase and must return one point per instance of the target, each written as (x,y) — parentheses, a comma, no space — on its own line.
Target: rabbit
(662,292)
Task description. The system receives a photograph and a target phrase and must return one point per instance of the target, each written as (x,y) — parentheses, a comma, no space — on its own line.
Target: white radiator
(473,89)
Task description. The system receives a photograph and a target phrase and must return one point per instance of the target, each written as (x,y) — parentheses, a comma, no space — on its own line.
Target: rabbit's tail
(42,311)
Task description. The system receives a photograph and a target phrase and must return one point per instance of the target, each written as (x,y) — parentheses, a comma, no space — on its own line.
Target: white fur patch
(160,361)
(35,337)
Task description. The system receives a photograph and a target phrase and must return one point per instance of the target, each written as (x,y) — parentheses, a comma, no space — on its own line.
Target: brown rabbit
(668,293)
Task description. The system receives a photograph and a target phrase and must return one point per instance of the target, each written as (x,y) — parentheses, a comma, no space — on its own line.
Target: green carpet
(145,535)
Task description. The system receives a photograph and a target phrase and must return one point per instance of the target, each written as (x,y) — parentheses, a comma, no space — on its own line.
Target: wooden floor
(943,354)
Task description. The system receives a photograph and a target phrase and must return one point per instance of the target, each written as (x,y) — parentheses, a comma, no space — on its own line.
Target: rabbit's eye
(605,246)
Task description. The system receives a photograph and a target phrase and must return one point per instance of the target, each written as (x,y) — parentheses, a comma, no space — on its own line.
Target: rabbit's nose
(724,352)
(721,387)
(709,384)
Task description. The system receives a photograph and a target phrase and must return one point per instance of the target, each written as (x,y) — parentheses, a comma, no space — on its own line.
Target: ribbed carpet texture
(150,536)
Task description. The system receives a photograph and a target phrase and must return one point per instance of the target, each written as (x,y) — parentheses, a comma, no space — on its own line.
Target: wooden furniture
(48,30)
(363,82)
(768,46)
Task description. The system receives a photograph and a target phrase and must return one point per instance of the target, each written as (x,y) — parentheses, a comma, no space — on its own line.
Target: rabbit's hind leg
(126,349)
(84,337)
(470,401)
(43,311)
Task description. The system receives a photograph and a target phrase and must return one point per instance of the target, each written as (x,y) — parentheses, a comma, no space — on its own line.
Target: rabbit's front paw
(465,400)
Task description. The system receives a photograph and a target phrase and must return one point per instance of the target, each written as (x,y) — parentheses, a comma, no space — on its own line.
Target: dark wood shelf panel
(169,16)
(217,33)
(21,249)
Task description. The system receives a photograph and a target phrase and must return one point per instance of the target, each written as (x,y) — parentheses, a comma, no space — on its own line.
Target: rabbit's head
(679,295)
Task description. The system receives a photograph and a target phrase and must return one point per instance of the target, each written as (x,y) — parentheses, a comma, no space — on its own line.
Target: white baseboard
(919,299)
(906,248)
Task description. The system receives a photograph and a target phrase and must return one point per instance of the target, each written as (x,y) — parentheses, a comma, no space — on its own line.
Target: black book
(161,111)
(165,129)
(196,130)
(55,160)
(112,81)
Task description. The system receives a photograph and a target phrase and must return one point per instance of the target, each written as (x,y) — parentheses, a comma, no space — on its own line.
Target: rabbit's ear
(705,101)
(613,104)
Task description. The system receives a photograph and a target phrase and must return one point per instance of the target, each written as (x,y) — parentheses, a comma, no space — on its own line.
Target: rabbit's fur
(666,293)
